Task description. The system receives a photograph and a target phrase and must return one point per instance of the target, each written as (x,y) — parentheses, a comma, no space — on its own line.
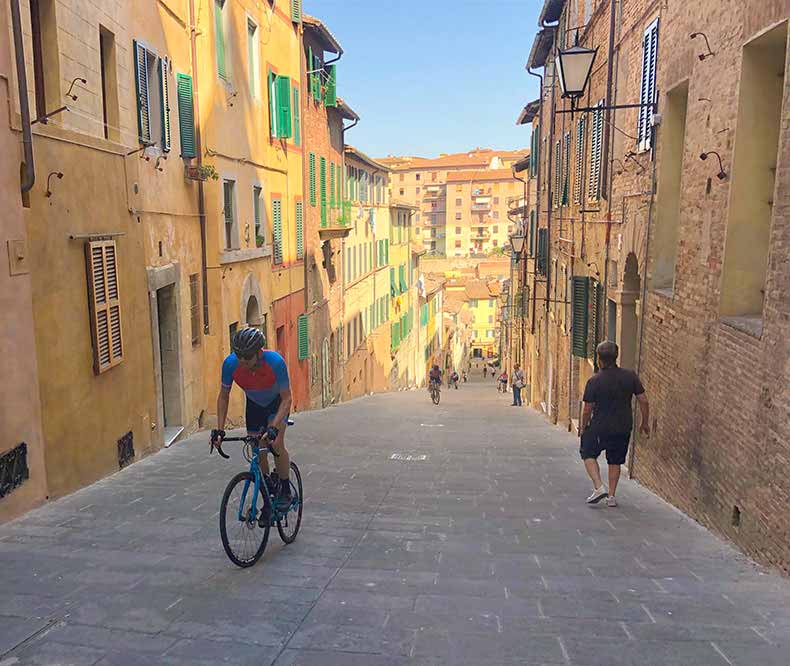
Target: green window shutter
(316,66)
(277,226)
(557,184)
(186,115)
(578,186)
(543,250)
(579,293)
(532,233)
(311,75)
(594,327)
(322,175)
(141,86)
(296,11)
(402,275)
(219,38)
(340,186)
(312,178)
(283,85)
(272,103)
(566,160)
(393,288)
(331,184)
(395,328)
(386,251)
(331,87)
(297,124)
(299,230)
(164,89)
(304,338)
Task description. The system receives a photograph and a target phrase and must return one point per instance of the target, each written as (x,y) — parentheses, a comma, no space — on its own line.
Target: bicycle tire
(436,396)
(282,524)
(250,525)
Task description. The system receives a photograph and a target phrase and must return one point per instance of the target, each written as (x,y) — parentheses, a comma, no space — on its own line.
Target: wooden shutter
(304,339)
(299,230)
(595,318)
(141,87)
(556,196)
(532,233)
(339,199)
(297,125)
(543,251)
(331,184)
(277,230)
(596,149)
(578,186)
(311,74)
(647,94)
(283,85)
(186,115)
(316,67)
(393,288)
(296,11)
(566,168)
(322,183)
(219,38)
(273,103)
(331,87)
(311,163)
(579,293)
(104,304)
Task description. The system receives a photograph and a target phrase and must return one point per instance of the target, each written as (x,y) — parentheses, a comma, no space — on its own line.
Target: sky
(433,76)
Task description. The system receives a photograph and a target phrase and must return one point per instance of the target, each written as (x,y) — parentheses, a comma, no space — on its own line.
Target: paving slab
(483,552)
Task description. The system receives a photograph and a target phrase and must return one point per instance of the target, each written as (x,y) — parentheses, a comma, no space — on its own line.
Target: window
(542,251)
(496,201)
(673,131)
(229,214)
(302,327)
(296,11)
(299,214)
(578,186)
(104,304)
(495,230)
(297,124)
(648,85)
(473,303)
(418,190)
(457,243)
(557,177)
(401,191)
(277,229)
(194,307)
(458,230)
(496,214)
(253,63)
(596,150)
(458,201)
(257,207)
(186,116)
(109,84)
(46,68)
(490,319)
(566,161)
(458,216)
(433,176)
(417,176)
(280,105)
(311,164)
(153,97)
(401,177)
(491,302)
(220,32)
(322,185)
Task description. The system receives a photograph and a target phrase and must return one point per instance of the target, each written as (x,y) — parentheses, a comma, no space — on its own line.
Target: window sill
(750,324)
(664,292)
(247,254)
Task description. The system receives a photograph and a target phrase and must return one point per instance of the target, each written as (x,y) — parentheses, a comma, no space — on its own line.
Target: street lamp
(574,66)
(517,243)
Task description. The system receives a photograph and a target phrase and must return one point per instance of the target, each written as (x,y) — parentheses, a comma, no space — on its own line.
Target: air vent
(125,450)
(13,469)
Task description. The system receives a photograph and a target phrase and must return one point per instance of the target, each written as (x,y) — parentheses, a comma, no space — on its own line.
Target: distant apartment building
(463,199)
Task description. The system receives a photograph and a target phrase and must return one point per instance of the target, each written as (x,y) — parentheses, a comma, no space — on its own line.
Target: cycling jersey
(262,385)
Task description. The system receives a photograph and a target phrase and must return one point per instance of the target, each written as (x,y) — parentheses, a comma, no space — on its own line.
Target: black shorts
(616,446)
(259,418)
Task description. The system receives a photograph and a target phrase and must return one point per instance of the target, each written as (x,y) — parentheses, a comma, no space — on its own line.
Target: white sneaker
(597,495)
(611,502)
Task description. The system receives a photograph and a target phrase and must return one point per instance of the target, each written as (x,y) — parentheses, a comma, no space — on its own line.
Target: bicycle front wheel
(243,538)
(436,397)
(288,525)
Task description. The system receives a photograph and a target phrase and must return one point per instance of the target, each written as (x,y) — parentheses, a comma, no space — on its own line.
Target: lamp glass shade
(517,242)
(574,66)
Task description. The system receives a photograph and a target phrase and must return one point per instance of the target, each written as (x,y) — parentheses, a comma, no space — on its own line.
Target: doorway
(169,362)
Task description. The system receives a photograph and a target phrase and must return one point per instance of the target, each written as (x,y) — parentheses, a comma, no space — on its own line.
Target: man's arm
(222,407)
(586,416)
(284,410)
(644,407)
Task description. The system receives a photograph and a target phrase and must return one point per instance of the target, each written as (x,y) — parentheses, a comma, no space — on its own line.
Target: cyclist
(435,378)
(454,379)
(263,376)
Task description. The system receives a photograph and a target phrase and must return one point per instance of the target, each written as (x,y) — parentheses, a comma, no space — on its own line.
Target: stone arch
(632,281)
(251,300)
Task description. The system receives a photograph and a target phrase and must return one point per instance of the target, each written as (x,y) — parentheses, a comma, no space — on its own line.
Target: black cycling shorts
(616,446)
(258,417)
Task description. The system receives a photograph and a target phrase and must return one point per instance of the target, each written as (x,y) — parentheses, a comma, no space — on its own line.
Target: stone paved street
(484,553)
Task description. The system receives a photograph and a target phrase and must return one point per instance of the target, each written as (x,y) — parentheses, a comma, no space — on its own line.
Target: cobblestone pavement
(483,553)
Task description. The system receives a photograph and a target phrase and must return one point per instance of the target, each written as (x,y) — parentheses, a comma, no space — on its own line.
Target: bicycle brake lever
(218,447)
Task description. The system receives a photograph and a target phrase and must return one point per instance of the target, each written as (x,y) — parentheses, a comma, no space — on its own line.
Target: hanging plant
(202,172)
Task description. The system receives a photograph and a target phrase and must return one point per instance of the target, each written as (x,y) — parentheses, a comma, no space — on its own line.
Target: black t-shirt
(610,390)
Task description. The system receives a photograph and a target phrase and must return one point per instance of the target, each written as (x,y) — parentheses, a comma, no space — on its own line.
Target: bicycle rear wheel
(435,396)
(288,525)
(242,538)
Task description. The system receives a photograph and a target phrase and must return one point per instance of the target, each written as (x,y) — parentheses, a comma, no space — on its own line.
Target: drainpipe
(29,173)
(537,194)
(199,150)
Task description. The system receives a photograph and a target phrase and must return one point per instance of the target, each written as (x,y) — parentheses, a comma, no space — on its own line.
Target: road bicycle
(436,393)
(249,504)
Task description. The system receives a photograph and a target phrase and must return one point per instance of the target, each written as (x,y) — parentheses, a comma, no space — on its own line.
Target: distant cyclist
(263,376)
(435,377)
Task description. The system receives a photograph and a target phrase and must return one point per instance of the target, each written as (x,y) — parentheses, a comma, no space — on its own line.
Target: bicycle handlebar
(248,439)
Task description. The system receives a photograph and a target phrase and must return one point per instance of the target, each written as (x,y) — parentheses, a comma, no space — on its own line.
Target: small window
(220,36)
(417,176)
(418,190)
(257,211)
(401,177)
(433,176)
(458,230)
(109,84)
(457,243)
(496,201)
(229,214)
(194,307)
(253,60)
(401,191)
(495,229)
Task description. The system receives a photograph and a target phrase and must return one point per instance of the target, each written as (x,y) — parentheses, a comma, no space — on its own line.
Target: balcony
(480,234)
(337,222)
(481,207)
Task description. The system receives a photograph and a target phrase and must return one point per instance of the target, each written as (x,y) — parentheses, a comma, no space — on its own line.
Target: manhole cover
(409,457)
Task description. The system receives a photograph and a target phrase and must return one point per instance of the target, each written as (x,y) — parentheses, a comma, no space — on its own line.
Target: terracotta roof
(477,289)
(467,317)
(345,110)
(480,175)
(322,32)
(358,154)
(453,305)
(478,157)
(494,288)
(418,249)
(400,203)
(432,285)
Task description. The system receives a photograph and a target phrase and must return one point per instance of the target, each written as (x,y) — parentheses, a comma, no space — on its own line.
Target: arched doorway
(253,314)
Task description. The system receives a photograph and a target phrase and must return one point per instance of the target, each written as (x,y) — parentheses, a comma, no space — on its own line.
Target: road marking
(660,587)
(761,635)
(545,584)
(85,508)
(432,425)
(564,651)
(175,603)
(540,610)
(627,633)
(507,593)
(649,614)
(721,654)
(699,578)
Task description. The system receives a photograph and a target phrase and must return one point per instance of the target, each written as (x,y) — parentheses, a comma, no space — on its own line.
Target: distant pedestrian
(518,384)
(485,371)
(502,382)
(606,421)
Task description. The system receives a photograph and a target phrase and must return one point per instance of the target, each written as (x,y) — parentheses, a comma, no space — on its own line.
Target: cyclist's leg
(257,419)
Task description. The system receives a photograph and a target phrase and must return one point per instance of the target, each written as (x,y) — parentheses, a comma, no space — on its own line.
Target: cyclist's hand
(272,433)
(216,438)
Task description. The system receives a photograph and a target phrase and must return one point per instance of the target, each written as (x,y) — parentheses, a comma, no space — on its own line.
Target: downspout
(537,194)
(29,171)
(199,151)
(548,243)
(607,149)
(523,258)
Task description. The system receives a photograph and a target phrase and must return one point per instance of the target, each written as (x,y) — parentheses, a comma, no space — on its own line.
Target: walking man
(518,384)
(606,421)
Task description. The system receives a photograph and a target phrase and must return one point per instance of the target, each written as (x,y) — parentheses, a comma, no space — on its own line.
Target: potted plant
(201,172)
